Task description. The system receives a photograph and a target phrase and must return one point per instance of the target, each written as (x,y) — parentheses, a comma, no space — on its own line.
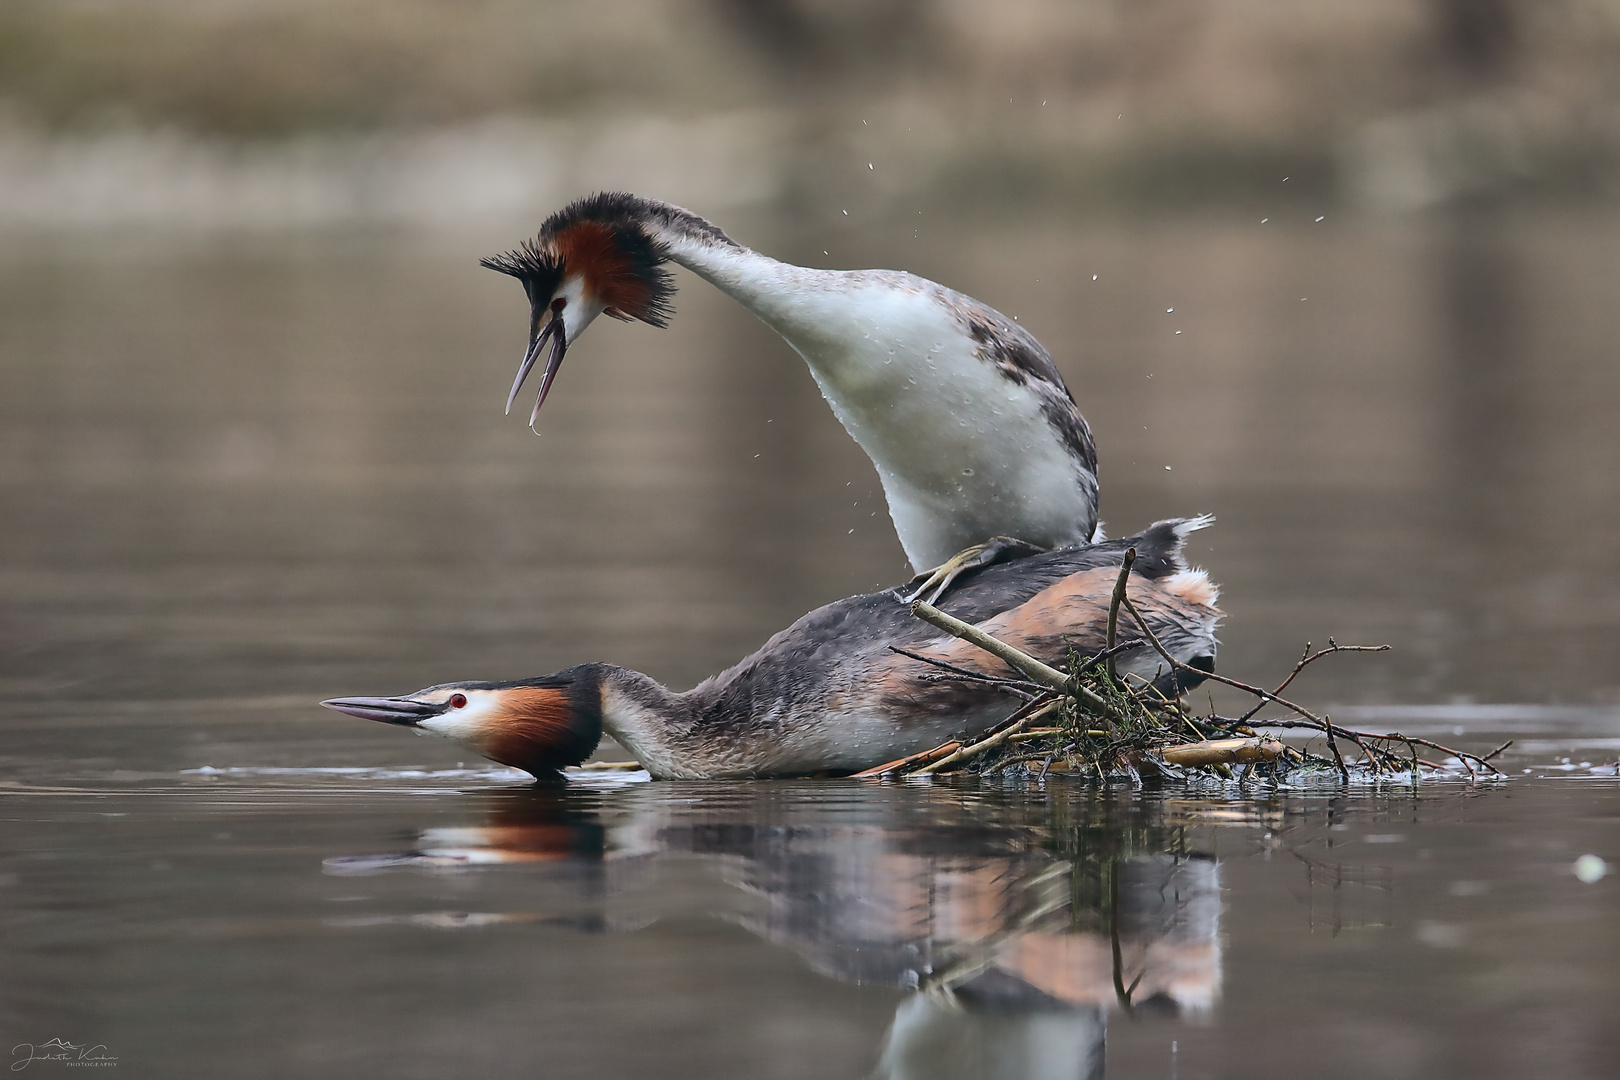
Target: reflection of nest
(1031,998)
(989,929)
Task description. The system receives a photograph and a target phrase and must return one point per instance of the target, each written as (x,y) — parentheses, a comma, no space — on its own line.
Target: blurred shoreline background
(1343,272)
(270,114)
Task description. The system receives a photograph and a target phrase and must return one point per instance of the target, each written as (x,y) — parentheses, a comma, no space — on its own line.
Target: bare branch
(995,740)
(1049,677)
(1113,608)
(968,673)
(1307,657)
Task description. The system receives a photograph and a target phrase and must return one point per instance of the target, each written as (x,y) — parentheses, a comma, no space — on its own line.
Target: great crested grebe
(828,695)
(961,410)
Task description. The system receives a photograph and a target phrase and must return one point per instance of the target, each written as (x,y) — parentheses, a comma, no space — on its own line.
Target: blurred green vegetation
(1414,100)
(279,68)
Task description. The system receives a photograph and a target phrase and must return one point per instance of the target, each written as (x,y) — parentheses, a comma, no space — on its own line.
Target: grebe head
(537,725)
(593,257)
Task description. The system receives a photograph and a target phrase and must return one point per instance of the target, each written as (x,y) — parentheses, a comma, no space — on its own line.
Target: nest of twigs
(1091,721)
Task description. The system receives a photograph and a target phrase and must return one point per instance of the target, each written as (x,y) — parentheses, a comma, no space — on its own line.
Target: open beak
(559,345)
(389,710)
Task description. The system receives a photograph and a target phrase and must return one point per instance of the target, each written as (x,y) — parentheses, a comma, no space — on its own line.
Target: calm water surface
(242,475)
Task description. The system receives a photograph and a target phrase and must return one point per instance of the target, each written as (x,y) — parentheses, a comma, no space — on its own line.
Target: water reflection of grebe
(828,694)
(1016,939)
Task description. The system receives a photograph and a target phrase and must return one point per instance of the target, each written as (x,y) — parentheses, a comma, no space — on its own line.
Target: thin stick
(910,759)
(1221,751)
(993,741)
(1049,677)
(1338,758)
(1202,674)
(1113,608)
(1123,647)
(1307,657)
(1395,736)
(1020,759)
(968,673)
(1004,687)
(1036,733)
(1010,723)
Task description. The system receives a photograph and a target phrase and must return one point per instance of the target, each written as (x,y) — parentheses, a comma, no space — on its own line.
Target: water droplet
(1322,218)
(869,165)
(1264,220)
(1590,868)
(1178,331)
(1093,277)
(1168,310)
(967,472)
(1167,468)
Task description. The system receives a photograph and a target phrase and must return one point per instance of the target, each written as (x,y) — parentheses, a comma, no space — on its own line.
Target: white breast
(962,449)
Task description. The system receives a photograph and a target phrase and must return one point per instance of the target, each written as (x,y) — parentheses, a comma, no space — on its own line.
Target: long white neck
(953,402)
(792,300)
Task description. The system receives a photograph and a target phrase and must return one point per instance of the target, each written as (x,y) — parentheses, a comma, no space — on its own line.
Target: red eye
(558,304)
(458,701)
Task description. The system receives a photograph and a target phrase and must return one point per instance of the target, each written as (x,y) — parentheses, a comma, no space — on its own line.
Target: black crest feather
(530,264)
(632,221)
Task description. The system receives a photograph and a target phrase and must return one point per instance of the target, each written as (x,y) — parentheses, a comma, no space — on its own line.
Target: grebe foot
(997,549)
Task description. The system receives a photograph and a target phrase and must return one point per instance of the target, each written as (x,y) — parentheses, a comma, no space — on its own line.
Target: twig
(969,673)
(1307,657)
(1020,759)
(1201,673)
(1395,736)
(994,684)
(911,759)
(1113,608)
(1221,751)
(1035,733)
(1049,677)
(1338,758)
(1105,654)
(967,752)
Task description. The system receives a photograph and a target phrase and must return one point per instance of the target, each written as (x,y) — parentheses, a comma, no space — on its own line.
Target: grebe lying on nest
(828,695)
